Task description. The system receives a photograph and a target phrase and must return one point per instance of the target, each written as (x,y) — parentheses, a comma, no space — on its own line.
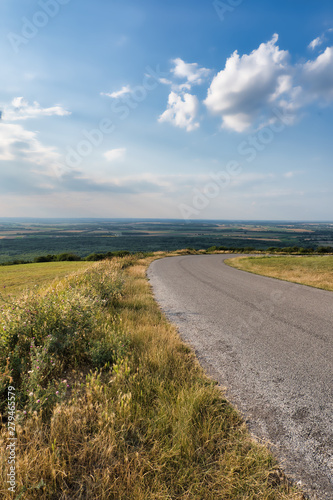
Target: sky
(184,109)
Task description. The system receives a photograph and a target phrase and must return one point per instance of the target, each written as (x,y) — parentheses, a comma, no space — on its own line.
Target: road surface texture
(269,343)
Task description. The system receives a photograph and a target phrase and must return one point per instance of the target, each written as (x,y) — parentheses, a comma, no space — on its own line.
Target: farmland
(26,239)
(15,279)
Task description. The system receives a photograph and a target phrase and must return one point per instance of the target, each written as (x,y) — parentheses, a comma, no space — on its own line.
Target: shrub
(67,257)
(43,334)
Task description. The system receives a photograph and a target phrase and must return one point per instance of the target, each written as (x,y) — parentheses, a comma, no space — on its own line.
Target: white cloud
(252,90)
(115,154)
(16,143)
(183,107)
(181,111)
(318,75)
(165,81)
(191,72)
(20,109)
(125,90)
(292,173)
(250,86)
(316,42)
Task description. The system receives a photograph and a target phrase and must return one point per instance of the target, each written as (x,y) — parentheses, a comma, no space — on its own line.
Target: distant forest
(28,239)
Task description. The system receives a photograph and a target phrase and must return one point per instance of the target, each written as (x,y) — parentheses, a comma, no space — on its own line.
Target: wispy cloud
(17,143)
(115,154)
(20,109)
(125,90)
(317,42)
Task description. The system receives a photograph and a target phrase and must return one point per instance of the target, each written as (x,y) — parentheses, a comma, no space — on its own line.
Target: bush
(41,335)
(67,257)
(323,249)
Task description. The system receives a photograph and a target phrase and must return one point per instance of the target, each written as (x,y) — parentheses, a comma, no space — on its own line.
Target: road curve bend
(270,344)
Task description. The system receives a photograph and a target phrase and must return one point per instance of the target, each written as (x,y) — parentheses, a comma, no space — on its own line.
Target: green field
(314,271)
(26,239)
(14,279)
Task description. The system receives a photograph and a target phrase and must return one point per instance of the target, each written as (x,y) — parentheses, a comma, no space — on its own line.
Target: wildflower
(31,394)
(57,392)
(64,381)
(38,400)
(24,412)
(37,367)
(30,371)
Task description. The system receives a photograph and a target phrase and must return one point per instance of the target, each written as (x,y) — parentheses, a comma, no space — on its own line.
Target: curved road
(270,344)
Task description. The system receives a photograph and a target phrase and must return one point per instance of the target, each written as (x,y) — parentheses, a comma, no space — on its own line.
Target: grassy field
(27,239)
(314,271)
(112,405)
(14,279)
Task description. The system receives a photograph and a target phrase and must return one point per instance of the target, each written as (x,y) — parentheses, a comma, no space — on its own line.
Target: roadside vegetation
(111,404)
(316,271)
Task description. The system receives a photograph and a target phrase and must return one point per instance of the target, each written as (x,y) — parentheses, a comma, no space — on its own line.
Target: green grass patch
(316,271)
(14,279)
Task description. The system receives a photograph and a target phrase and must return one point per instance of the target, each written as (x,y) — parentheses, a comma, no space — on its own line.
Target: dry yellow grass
(316,271)
(154,427)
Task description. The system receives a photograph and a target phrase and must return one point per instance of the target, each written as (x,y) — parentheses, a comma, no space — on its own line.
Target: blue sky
(178,109)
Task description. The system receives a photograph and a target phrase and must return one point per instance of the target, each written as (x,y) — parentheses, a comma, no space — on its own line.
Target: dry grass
(316,271)
(153,427)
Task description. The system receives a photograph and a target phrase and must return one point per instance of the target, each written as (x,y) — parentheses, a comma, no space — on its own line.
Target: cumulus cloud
(181,111)
(115,154)
(253,90)
(249,86)
(191,72)
(20,109)
(182,106)
(318,75)
(125,90)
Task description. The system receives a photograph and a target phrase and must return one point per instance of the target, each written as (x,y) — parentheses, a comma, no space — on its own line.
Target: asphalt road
(270,344)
